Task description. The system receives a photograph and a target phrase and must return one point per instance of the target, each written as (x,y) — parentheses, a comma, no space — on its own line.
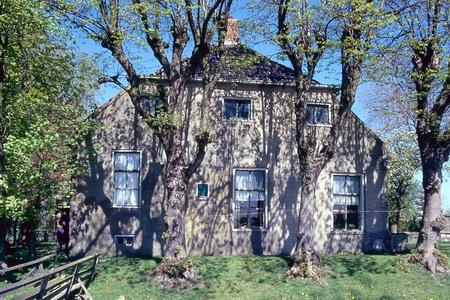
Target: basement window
(125,240)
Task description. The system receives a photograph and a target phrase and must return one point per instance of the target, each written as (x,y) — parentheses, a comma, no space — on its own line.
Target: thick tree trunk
(432,221)
(305,259)
(176,269)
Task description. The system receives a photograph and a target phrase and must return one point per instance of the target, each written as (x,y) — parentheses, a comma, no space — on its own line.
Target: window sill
(320,125)
(250,229)
(202,198)
(347,231)
(235,121)
(126,207)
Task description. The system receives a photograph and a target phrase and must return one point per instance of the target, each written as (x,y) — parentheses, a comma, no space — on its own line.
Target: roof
(244,64)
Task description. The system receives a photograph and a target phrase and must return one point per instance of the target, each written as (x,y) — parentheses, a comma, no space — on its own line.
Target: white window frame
(117,236)
(140,178)
(250,119)
(196,191)
(330,117)
(361,205)
(266,200)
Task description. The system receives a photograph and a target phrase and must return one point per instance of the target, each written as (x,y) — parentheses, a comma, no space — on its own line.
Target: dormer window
(318,114)
(237,109)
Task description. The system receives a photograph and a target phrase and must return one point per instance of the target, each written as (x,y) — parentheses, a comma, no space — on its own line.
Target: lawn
(347,277)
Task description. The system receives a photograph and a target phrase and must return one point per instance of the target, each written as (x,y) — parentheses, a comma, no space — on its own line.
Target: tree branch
(113,79)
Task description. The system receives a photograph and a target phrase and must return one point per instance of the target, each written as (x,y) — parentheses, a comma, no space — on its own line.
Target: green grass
(347,277)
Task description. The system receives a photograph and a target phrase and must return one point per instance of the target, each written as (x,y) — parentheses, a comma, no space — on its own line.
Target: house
(244,198)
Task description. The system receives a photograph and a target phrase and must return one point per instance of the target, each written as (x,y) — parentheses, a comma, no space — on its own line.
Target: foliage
(44,105)
(403,163)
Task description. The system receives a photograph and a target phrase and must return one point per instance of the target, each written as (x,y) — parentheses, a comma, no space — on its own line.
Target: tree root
(306,265)
(176,274)
(436,261)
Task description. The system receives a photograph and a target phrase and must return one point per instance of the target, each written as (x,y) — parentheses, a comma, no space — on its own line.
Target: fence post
(93,269)
(43,289)
(74,278)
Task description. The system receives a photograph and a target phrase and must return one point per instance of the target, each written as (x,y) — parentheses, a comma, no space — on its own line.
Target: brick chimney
(232,37)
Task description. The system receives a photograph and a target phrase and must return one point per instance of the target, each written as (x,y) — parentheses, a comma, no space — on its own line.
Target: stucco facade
(265,142)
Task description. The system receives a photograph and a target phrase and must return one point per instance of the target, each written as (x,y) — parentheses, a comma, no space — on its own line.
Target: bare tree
(167,28)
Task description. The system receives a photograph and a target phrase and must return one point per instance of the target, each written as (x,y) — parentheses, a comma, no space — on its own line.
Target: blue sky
(147,64)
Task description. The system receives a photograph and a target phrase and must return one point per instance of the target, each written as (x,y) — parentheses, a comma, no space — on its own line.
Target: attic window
(237,109)
(318,114)
(152,105)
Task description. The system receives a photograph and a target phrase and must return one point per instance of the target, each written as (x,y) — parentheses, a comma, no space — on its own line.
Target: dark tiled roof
(244,64)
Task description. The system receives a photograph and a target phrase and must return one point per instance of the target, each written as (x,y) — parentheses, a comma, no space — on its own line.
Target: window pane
(256,218)
(339,184)
(133,197)
(258,178)
(310,114)
(242,196)
(339,220)
(256,196)
(243,180)
(120,180)
(133,162)
(133,180)
(243,109)
(120,161)
(202,190)
(353,184)
(151,104)
(318,114)
(322,114)
(352,217)
(230,109)
(120,197)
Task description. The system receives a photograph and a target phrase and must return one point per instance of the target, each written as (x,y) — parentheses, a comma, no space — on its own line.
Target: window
(249,198)
(202,190)
(318,114)
(127,166)
(347,200)
(125,245)
(237,109)
(153,105)
(125,240)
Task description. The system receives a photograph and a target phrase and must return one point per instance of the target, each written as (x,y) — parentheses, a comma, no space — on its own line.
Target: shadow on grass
(349,265)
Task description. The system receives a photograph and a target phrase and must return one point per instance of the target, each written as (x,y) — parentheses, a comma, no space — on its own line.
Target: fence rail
(56,284)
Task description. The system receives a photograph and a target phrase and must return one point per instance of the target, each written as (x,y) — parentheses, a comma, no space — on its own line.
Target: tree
(421,30)
(403,164)
(304,30)
(42,110)
(166,27)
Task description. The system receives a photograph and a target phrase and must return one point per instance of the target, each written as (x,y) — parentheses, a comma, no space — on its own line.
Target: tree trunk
(3,219)
(432,221)
(32,243)
(175,269)
(305,258)
(3,232)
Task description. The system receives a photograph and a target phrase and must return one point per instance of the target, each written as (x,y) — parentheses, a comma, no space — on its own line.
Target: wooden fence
(59,283)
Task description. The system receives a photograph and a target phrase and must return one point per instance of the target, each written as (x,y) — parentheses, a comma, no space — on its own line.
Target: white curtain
(346,184)
(125,161)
